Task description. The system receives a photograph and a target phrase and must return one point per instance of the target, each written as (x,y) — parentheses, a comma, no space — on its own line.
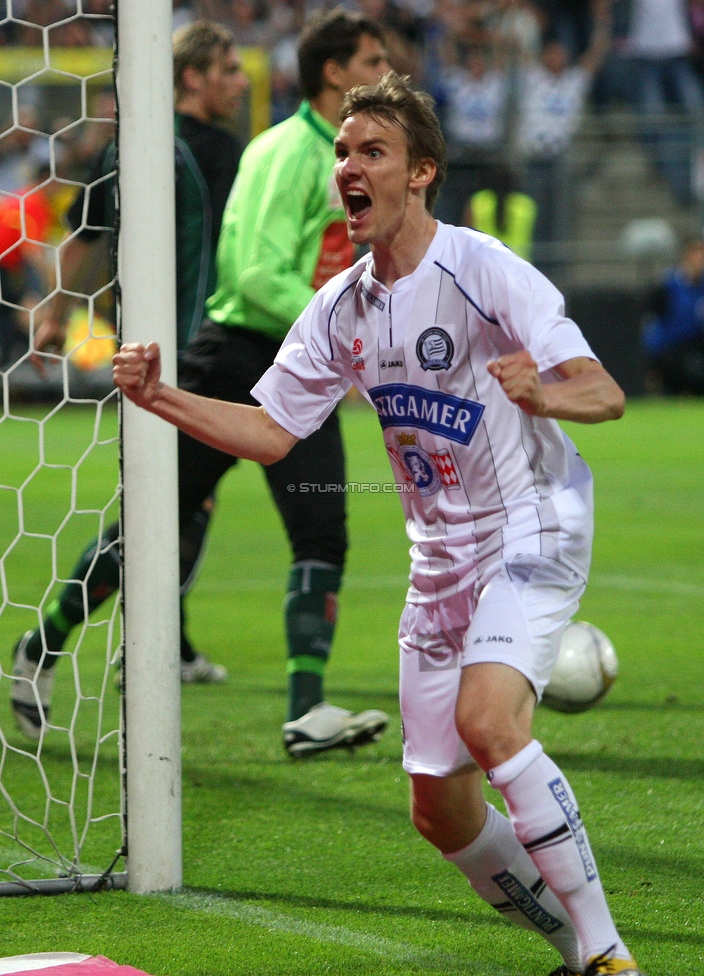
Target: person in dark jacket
(673,335)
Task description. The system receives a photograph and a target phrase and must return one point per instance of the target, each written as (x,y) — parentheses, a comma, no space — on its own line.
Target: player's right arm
(235,428)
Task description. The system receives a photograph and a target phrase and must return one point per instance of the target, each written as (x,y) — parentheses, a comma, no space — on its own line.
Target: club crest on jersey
(405,405)
(435,349)
(402,440)
(421,469)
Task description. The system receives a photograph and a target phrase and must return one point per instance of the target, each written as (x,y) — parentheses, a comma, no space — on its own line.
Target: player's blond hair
(394,100)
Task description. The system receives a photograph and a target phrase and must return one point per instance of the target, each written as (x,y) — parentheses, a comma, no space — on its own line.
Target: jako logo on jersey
(357,347)
(403,405)
(373,300)
(574,821)
(435,349)
(390,363)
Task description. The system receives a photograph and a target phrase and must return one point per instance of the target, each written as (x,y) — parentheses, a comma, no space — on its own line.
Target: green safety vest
(519,218)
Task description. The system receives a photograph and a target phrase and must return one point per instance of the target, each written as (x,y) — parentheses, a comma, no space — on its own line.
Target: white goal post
(50,790)
(147,277)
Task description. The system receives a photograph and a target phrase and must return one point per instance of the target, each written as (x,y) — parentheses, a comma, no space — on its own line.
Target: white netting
(60,796)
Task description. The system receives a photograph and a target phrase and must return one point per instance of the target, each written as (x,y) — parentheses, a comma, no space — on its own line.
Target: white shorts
(514,616)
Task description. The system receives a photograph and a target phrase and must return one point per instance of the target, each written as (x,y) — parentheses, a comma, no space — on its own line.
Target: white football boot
(30,696)
(329,727)
(202,671)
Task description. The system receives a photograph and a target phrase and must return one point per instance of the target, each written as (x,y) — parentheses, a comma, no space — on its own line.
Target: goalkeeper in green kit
(284,236)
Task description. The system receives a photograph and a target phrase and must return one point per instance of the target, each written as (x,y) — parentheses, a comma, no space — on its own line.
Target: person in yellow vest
(504,213)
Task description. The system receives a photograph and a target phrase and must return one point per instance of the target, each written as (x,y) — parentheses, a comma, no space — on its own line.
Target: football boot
(30,692)
(326,727)
(607,964)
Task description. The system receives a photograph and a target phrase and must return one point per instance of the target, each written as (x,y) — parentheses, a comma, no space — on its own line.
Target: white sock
(503,875)
(546,820)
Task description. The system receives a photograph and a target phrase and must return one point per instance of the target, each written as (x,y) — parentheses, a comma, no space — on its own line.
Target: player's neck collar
(433,251)
(316,121)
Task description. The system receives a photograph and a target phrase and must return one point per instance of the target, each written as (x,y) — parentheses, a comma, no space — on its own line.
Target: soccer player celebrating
(469,361)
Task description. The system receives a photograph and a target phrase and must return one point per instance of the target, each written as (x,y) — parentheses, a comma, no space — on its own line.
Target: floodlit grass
(312,867)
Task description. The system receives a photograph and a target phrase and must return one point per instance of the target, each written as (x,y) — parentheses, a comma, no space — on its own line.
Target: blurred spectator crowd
(655,48)
(511,79)
(655,52)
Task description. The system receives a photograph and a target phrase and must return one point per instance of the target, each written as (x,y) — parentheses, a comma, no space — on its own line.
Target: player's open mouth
(358,204)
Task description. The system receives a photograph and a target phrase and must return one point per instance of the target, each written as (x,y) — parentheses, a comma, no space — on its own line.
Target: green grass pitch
(312,867)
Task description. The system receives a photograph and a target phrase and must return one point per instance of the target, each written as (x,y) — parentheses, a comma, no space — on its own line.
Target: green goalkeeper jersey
(283,232)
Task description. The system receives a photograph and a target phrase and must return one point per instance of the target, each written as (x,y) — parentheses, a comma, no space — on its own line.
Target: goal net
(63,823)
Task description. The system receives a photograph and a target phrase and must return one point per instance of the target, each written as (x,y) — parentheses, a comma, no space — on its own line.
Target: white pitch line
(636,585)
(334,934)
(399,583)
(632,584)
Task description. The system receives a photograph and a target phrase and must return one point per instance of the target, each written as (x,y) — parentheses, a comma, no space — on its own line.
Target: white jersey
(660,29)
(550,109)
(476,107)
(480,480)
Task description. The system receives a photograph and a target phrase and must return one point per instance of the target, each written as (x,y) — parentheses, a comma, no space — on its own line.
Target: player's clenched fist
(136,370)
(517,372)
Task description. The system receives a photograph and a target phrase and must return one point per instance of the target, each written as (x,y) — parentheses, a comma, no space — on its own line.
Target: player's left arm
(585,392)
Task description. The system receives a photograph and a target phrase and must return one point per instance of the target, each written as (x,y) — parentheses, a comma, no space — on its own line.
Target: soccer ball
(586,668)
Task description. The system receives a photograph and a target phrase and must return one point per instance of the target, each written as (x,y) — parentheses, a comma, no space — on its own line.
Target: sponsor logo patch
(403,405)
(445,463)
(435,349)
(437,658)
(357,346)
(574,822)
(525,901)
(373,300)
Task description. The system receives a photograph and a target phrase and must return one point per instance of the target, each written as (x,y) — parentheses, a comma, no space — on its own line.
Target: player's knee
(429,820)
(449,812)
(491,736)
(421,821)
